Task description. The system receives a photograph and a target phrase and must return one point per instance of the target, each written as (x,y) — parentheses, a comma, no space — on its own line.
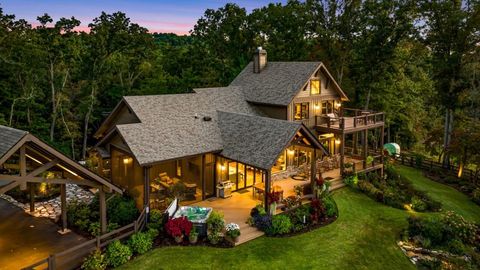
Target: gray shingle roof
(169,128)
(277,83)
(8,138)
(254,140)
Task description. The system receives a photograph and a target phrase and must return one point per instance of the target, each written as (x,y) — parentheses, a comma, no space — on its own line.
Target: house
(274,128)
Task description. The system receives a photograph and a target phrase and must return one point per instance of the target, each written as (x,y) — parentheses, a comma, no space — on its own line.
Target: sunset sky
(158,16)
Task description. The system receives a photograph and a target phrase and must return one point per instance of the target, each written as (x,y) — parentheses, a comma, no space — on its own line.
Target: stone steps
(336,184)
(248,233)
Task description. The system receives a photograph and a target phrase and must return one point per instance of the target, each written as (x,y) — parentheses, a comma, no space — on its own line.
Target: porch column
(313,167)
(146,187)
(103,210)
(382,136)
(268,178)
(32,197)
(342,154)
(63,198)
(23,167)
(365,148)
(202,176)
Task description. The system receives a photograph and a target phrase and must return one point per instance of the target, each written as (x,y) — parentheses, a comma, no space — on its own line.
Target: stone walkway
(52,208)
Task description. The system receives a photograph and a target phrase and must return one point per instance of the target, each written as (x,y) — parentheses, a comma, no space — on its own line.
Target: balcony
(350,120)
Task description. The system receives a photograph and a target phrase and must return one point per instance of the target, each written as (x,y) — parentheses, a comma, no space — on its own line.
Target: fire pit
(196,214)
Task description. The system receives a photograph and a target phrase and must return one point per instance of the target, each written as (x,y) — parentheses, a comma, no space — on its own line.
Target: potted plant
(273,199)
(232,232)
(193,236)
(215,223)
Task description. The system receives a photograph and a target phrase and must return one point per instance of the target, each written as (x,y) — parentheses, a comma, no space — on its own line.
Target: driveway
(25,240)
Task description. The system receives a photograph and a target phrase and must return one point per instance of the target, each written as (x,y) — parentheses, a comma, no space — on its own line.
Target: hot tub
(196,214)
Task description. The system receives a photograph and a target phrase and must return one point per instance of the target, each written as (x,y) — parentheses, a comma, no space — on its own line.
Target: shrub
(80,215)
(281,224)
(351,180)
(215,222)
(456,246)
(140,242)
(456,227)
(418,204)
(95,261)
(155,219)
(94,228)
(263,222)
(429,228)
(476,195)
(317,210)
(153,233)
(330,206)
(122,210)
(117,254)
(214,238)
(300,214)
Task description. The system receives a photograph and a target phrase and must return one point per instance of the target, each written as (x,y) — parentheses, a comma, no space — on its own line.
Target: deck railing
(360,118)
(72,257)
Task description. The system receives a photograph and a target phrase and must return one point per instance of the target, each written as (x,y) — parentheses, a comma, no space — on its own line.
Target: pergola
(30,157)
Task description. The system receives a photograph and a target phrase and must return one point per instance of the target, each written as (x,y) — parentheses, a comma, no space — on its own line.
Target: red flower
(176,227)
(273,197)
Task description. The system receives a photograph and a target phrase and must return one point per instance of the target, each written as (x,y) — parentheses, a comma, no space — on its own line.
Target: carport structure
(30,158)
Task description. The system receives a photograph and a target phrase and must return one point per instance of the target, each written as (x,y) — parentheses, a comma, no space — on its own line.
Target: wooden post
(202,176)
(313,167)
(342,155)
(382,142)
(103,210)
(268,178)
(365,148)
(52,265)
(146,187)
(23,167)
(63,198)
(32,197)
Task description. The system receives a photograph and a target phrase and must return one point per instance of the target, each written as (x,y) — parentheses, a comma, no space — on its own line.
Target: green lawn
(363,237)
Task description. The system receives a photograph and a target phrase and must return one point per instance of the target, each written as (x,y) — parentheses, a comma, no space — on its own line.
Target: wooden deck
(236,209)
(348,124)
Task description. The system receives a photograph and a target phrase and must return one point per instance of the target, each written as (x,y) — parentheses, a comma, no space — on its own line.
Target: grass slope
(450,198)
(363,237)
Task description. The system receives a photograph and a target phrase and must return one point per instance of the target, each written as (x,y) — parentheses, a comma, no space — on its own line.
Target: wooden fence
(73,257)
(428,164)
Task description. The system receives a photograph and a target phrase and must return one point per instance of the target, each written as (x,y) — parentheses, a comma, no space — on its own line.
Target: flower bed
(393,190)
(297,217)
(448,239)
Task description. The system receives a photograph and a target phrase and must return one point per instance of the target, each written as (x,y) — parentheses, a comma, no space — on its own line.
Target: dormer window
(315,87)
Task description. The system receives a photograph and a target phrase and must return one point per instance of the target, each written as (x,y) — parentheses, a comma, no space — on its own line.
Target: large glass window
(280,164)
(327,107)
(315,87)
(301,111)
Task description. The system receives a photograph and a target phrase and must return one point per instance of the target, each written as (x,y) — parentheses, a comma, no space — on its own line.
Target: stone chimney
(259,60)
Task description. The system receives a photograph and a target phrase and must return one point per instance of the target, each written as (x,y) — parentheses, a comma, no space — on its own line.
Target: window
(301,111)
(327,107)
(315,87)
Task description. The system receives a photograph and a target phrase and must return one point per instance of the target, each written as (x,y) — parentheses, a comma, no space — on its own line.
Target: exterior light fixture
(317,107)
(222,167)
(291,152)
(126,160)
(337,141)
(338,105)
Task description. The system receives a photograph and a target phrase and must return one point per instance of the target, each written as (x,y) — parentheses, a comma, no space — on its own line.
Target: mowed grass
(363,237)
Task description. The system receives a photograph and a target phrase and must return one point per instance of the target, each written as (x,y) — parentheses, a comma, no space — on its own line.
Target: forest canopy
(418,61)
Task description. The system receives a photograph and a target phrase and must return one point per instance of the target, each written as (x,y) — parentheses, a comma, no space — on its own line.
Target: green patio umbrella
(392,149)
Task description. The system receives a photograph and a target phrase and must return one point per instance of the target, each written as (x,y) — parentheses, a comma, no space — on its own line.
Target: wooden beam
(342,155)
(365,148)
(43,168)
(313,168)
(202,175)
(32,197)
(23,167)
(8,187)
(35,179)
(146,184)
(103,211)
(63,199)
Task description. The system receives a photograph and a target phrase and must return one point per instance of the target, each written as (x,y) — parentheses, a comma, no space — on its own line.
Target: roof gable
(9,137)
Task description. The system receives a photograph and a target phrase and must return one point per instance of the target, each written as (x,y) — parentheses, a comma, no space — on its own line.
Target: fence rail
(428,164)
(72,257)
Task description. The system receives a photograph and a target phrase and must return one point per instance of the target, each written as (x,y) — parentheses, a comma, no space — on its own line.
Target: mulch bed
(165,241)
